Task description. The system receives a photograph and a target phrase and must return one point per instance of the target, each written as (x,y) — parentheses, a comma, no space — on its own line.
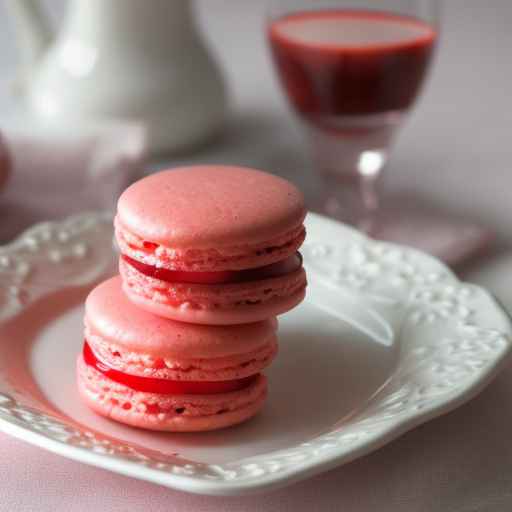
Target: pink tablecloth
(447,465)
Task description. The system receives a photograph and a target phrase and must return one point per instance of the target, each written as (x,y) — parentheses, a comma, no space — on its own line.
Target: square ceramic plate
(388,338)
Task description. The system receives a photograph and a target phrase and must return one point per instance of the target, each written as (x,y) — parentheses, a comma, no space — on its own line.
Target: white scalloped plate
(387,339)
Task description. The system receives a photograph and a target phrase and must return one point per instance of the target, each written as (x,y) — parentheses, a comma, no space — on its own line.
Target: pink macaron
(155,373)
(212,244)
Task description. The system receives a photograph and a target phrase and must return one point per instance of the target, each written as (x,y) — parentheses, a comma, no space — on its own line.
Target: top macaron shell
(210,218)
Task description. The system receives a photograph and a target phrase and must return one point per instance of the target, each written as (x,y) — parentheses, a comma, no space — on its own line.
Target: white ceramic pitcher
(122,59)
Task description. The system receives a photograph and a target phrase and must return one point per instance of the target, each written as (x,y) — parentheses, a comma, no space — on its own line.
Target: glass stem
(351,163)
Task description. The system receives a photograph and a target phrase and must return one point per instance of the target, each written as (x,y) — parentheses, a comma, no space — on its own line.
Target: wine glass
(352,70)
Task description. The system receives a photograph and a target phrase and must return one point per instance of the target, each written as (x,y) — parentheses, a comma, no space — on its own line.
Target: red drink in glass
(339,65)
(352,70)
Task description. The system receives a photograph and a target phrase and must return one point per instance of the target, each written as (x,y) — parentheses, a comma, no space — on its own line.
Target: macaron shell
(113,317)
(237,315)
(209,369)
(236,257)
(179,413)
(273,293)
(210,206)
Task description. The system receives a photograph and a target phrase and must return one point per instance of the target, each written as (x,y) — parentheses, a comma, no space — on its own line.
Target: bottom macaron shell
(173,413)
(234,316)
(220,304)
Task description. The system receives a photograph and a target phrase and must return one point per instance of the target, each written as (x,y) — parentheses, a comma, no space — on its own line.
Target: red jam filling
(164,386)
(278,269)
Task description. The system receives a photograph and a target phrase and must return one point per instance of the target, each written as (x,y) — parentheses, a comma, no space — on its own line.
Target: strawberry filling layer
(278,269)
(164,386)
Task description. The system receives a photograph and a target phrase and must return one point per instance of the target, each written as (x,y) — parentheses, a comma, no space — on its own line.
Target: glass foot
(451,239)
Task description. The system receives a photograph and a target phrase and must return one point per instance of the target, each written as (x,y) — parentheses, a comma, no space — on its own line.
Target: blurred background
(454,152)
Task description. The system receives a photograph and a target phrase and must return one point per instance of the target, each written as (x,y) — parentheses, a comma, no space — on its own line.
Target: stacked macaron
(208,259)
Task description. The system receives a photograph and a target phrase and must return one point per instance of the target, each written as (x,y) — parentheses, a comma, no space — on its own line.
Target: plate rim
(228,485)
